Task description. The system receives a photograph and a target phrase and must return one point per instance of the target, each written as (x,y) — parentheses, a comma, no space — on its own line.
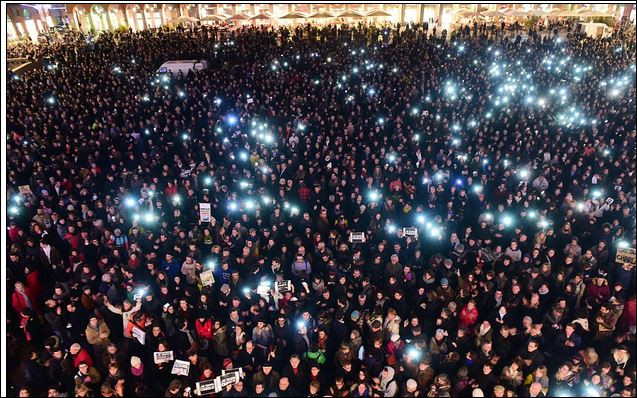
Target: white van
(183,65)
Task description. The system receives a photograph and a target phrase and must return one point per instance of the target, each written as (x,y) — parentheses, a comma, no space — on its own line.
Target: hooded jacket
(387,383)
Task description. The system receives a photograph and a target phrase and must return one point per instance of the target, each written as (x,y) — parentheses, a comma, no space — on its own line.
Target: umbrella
(238,17)
(261,16)
(492,13)
(214,18)
(593,13)
(350,14)
(322,14)
(555,12)
(513,13)
(465,11)
(378,13)
(567,13)
(186,19)
(537,13)
(293,15)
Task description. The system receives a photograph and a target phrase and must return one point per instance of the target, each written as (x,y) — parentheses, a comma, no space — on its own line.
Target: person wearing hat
(136,371)
(267,376)
(445,291)
(87,375)
(97,334)
(79,354)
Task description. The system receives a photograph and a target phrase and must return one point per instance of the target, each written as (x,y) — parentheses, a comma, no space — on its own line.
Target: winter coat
(388,385)
(204,330)
(468,317)
(126,315)
(19,303)
(93,335)
(220,341)
(262,337)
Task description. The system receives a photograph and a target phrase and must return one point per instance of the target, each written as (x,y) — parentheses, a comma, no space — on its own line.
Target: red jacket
(34,286)
(468,317)
(14,234)
(73,239)
(82,356)
(598,293)
(170,191)
(204,330)
(19,303)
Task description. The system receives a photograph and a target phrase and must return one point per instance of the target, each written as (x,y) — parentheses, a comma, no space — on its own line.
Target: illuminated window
(11,33)
(411,13)
(32,29)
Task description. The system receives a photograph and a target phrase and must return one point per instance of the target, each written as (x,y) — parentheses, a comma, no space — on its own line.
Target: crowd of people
(319,150)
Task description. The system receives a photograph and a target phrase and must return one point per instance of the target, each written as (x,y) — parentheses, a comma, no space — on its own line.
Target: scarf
(190,339)
(26,299)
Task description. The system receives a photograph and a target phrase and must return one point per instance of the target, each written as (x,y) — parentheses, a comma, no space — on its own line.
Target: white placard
(139,334)
(357,237)
(283,286)
(181,368)
(163,356)
(411,232)
(204,212)
(263,290)
(207,278)
(234,370)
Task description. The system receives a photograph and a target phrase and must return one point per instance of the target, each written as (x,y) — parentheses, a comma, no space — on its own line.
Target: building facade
(30,21)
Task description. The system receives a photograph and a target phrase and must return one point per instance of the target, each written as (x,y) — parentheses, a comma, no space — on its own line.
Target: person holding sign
(163,358)
(126,312)
(206,383)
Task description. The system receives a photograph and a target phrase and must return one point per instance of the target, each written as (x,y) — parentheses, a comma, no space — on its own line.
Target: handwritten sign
(181,368)
(626,256)
(163,356)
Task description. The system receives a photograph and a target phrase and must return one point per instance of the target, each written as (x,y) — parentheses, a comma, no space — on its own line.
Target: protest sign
(357,237)
(229,378)
(181,368)
(204,212)
(626,256)
(206,387)
(207,279)
(233,370)
(139,334)
(163,356)
(263,290)
(283,286)
(410,232)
